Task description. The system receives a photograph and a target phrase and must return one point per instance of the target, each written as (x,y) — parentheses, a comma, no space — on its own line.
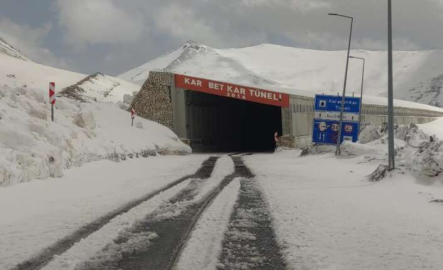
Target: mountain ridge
(9,50)
(269,65)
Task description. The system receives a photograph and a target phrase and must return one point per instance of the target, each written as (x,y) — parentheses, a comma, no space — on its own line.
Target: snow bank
(369,134)
(33,147)
(416,151)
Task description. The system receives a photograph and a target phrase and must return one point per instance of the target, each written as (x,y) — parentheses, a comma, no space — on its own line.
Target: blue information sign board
(325,129)
(333,104)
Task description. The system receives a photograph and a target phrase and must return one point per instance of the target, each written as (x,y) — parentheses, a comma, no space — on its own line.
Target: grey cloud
(120,35)
(30,40)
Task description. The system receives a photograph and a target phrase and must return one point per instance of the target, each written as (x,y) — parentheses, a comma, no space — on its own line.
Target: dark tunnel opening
(221,124)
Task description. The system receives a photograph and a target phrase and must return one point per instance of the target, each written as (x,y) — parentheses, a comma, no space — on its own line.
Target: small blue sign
(326,131)
(333,104)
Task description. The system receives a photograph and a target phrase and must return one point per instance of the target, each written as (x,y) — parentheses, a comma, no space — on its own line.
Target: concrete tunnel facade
(213,116)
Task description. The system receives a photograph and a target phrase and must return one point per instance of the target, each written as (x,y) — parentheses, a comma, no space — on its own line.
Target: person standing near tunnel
(276,141)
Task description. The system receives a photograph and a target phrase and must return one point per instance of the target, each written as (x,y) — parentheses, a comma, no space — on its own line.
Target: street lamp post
(362,86)
(390,92)
(337,151)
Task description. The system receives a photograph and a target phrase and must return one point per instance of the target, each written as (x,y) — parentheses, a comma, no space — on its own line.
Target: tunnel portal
(221,124)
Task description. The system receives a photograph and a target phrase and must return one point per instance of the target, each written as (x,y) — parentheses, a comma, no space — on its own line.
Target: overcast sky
(113,36)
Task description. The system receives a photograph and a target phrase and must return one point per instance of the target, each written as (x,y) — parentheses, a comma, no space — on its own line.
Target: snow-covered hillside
(17,73)
(311,70)
(34,147)
(99,88)
(9,50)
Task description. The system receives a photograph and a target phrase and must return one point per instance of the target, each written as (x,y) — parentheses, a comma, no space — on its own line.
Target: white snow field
(287,69)
(37,214)
(329,215)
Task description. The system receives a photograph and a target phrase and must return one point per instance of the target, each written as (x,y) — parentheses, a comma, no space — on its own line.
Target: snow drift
(33,147)
(417,152)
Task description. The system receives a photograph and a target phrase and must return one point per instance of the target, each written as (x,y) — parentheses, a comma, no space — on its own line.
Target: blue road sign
(326,123)
(326,131)
(333,104)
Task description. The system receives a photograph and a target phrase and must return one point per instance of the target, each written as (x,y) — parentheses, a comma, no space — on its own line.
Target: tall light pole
(390,92)
(362,86)
(337,151)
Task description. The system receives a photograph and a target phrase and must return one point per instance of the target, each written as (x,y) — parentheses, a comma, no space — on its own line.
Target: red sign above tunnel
(232,90)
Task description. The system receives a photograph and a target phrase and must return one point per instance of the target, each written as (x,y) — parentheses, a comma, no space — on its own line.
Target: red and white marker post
(52,98)
(132,115)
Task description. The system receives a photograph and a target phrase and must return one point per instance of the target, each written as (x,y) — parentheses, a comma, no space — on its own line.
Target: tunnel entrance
(221,124)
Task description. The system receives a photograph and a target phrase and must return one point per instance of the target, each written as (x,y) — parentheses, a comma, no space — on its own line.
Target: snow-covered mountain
(428,92)
(7,49)
(303,69)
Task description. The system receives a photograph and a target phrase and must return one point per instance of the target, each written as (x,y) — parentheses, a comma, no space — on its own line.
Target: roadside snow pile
(416,151)
(369,134)
(412,135)
(33,147)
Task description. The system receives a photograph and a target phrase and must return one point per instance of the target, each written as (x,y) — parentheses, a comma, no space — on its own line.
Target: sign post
(326,127)
(132,116)
(52,98)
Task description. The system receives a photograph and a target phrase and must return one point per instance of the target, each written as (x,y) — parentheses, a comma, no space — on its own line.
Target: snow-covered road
(327,215)
(37,214)
(263,211)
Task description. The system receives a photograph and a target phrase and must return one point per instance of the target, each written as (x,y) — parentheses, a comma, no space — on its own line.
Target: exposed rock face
(153,102)
(93,88)
(429,92)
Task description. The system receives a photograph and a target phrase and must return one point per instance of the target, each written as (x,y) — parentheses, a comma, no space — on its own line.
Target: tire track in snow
(250,241)
(172,225)
(44,257)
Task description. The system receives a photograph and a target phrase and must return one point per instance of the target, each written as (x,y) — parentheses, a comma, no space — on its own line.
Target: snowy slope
(140,74)
(9,50)
(292,68)
(33,147)
(16,73)
(99,88)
